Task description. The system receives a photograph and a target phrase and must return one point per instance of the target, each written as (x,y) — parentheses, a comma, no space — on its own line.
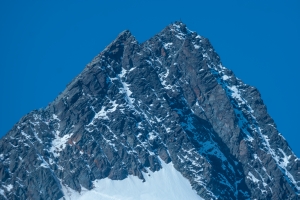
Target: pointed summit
(181,26)
(115,49)
(121,38)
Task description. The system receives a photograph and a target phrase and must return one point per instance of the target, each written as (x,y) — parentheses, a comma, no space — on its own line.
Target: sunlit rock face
(142,110)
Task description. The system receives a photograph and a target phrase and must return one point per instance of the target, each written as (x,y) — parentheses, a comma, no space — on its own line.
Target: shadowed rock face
(168,98)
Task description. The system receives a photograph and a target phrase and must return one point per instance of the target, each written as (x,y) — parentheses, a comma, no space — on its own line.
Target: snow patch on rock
(59,143)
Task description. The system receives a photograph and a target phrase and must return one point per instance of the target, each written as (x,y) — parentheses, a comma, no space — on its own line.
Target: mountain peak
(166,109)
(123,36)
(180,25)
(115,48)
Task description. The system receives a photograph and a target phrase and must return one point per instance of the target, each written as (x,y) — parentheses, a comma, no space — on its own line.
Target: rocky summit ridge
(134,106)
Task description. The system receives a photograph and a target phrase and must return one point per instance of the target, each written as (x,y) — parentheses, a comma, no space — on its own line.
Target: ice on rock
(8,187)
(55,117)
(168,45)
(225,77)
(2,193)
(196,46)
(59,143)
(252,177)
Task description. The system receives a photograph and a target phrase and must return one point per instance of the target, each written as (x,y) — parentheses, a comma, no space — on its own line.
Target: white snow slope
(167,183)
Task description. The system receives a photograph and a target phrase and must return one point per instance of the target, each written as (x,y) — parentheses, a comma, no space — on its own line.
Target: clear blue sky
(45,44)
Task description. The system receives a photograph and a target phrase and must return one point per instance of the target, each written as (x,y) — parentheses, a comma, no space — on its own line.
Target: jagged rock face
(134,105)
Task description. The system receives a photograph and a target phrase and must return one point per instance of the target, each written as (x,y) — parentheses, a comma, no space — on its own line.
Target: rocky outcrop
(170,99)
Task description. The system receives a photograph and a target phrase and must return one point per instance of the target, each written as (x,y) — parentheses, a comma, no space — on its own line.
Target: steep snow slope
(166,183)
